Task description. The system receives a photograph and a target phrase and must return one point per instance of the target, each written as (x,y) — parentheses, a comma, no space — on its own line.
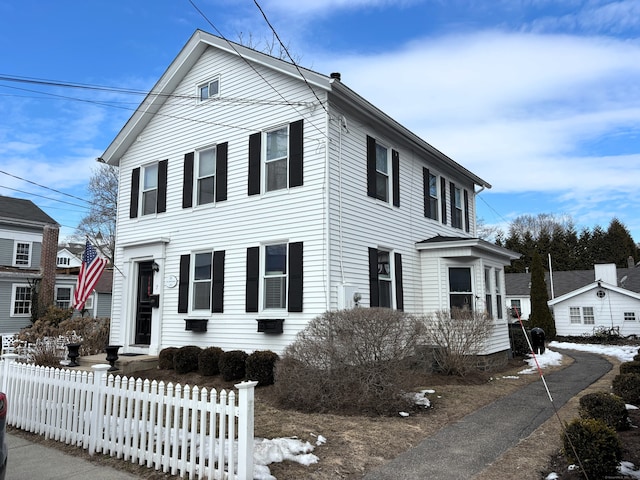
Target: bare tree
(270,46)
(458,336)
(99,225)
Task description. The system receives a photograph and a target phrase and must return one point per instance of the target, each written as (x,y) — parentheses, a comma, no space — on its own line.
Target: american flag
(90,271)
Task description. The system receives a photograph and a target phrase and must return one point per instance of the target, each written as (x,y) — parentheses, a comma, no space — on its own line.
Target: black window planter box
(270,325)
(196,324)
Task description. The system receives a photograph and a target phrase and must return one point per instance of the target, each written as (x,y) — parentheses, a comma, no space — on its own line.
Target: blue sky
(541,98)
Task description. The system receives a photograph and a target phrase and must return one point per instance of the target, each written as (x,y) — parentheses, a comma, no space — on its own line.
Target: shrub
(165,358)
(627,386)
(518,340)
(185,359)
(92,333)
(597,447)
(232,364)
(630,367)
(350,361)
(458,336)
(208,361)
(609,408)
(260,366)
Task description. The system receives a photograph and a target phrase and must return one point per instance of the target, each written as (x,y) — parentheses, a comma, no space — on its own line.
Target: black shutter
(426,193)
(221,171)
(443,199)
(452,198)
(162,186)
(395,173)
(135,193)
(253,279)
(374,292)
(253,185)
(466,212)
(217,286)
(295,277)
(187,181)
(183,284)
(399,290)
(296,144)
(371,166)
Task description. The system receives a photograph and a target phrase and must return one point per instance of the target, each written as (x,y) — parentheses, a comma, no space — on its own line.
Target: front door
(143,303)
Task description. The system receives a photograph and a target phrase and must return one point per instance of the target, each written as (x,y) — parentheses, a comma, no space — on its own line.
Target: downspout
(327,209)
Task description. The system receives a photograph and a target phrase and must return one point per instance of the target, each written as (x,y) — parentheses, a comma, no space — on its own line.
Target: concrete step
(127,365)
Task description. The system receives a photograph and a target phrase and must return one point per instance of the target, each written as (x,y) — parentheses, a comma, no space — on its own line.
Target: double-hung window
(629,316)
(63,297)
(574,315)
(516,308)
(276,158)
(275,276)
(498,285)
(457,207)
(385,279)
(430,193)
(587,316)
(22,256)
(385,298)
(209,90)
(205,176)
(202,277)
(383,172)
(21,304)
(149,189)
(488,297)
(460,293)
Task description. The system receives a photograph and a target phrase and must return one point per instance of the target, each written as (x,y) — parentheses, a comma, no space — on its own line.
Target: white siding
(292,215)
(608,312)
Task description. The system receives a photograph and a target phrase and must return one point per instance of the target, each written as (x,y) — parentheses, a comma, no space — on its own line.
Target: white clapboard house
(254,196)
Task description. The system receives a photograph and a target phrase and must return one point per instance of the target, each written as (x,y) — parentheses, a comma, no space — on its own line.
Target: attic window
(209,90)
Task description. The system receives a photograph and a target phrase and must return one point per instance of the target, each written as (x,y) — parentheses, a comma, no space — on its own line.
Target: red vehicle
(3,438)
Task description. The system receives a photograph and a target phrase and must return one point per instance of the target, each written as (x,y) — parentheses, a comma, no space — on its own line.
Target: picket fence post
(9,358)
(97,405)
(246,404)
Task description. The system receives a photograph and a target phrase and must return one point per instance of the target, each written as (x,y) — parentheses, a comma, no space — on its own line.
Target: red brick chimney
(48,260)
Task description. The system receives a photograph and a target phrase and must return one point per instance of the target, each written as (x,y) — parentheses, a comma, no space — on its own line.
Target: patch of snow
(552,476)
(624,353)
(403,414)
(547,359)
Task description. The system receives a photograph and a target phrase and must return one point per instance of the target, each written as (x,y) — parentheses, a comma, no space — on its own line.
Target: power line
(264,15)
(48,188)
(42,196)
(232,45)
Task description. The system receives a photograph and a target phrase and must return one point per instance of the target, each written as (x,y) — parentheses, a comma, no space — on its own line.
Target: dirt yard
(356,445)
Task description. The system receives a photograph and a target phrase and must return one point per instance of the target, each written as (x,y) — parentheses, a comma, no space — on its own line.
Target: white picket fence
(179,430)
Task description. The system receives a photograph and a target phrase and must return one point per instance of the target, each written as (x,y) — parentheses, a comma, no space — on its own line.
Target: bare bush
(458,336)
(349,361)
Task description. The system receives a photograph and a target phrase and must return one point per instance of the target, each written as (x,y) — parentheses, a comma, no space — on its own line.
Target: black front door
(143,304)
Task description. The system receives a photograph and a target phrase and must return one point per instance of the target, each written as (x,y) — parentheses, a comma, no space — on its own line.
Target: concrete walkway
(467,447)
(31,461)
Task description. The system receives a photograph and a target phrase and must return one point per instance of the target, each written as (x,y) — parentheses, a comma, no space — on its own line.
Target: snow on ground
(280,449)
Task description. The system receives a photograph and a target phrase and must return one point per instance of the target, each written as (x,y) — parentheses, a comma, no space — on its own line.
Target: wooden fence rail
(173,428)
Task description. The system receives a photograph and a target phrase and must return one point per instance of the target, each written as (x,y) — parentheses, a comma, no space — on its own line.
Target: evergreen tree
(620,243)
(540,314)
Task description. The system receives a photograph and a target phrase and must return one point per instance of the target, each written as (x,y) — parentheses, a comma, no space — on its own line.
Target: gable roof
(519,284)
(333,86)
(21,211)
(593,286)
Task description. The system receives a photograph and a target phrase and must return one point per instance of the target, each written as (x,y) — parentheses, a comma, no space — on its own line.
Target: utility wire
(43,196)
(48,188)
(232,45)
(286,50)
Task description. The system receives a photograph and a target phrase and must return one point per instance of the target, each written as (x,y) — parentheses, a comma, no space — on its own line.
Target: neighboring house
(28,245)
(585,300)
(602,304)
(252,200)
(69,255)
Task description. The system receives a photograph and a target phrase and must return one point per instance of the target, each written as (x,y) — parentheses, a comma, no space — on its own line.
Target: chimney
(48,259)
(631,262)
(336,76)
(606,273)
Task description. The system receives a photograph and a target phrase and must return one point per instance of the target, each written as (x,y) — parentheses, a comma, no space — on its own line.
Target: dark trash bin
(537,340)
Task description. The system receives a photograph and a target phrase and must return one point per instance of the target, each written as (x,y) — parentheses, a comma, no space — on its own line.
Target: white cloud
(499,102)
